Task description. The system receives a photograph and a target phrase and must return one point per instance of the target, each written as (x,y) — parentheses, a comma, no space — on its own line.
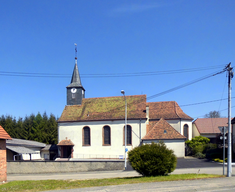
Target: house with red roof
(209,127)
(3,154)
(94,127)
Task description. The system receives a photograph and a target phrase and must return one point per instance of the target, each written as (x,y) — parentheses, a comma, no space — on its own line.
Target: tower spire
(75,90)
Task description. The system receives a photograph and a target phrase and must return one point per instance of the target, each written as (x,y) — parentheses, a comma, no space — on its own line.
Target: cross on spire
(76,53)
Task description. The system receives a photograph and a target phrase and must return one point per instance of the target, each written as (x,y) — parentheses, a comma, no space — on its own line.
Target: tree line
(41,128)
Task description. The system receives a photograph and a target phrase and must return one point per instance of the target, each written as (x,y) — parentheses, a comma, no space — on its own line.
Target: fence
(32,167)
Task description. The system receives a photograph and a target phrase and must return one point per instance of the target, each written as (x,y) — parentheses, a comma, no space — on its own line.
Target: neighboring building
(208,127)
(3,154)
(233,133)
(50,152)
(94,127)
(20,149)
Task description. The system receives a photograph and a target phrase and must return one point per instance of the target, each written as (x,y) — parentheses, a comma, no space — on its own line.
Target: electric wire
(109,75)
(185,84)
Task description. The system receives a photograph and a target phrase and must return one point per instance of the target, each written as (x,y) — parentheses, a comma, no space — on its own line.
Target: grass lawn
(44,185)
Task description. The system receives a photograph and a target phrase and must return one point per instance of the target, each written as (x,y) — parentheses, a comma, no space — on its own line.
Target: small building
(50,152)
(208,127)
(20,149)
(3,157)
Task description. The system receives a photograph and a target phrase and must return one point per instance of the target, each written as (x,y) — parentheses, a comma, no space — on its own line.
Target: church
(95,127)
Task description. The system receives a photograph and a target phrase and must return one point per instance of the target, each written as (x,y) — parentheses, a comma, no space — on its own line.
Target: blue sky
(115,37)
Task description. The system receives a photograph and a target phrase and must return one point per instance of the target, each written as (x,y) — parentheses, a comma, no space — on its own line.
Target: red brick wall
(3,160)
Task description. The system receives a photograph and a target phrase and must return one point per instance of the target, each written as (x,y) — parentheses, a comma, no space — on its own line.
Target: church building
(95,127)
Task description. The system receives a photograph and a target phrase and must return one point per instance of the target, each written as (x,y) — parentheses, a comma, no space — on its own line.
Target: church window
(106,135)
(128,135)
(86,136)
(186,131)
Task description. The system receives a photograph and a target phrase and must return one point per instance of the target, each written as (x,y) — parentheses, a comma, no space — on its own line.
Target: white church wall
(175,124)
(190,129)
(73,131)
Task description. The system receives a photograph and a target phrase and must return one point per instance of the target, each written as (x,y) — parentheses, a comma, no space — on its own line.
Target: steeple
(75,90)
(75,80)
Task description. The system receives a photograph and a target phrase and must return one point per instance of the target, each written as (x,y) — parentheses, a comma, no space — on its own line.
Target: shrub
(218,160)
(210,147)
(197,144)
(152,159)
(200,155)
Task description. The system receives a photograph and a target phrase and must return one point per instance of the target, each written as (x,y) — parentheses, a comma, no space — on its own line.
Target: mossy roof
(105,108)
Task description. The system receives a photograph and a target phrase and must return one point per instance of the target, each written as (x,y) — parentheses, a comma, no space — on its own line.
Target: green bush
(152,159)
(197,144)
(200,155)
(210,147)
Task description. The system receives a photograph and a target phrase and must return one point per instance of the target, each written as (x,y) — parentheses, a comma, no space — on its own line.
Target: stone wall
(3,161)
(27,167)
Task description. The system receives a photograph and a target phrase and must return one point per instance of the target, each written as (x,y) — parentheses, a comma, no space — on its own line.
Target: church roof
(162,130)
(76,80)
(166,110)
(4,134)
(105,108)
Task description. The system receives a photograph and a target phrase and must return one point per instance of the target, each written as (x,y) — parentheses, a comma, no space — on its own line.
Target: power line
(219,111)
(54,75)
(185,84)
(205,102)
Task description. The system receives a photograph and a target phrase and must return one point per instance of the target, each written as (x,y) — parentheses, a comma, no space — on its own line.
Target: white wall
(175,124)
(178,125)
(73,131)
(195,131)
(178,146)
(34,156)
(190,132)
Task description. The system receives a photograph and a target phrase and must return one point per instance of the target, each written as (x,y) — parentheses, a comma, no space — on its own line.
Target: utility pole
(229,155)
(123,92)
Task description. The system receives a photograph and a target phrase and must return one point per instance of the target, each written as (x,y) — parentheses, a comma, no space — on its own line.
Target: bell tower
(75,90)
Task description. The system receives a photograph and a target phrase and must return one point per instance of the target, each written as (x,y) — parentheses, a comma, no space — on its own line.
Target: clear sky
(140,46)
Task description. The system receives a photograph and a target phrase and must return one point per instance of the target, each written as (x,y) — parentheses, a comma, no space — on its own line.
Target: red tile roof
(162,130)
(166,110)
(65,142)
(4,134)
(105,108)
(210,125)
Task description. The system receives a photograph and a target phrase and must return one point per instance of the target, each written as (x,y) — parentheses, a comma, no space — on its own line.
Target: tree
(152,159)
(213,114)
(37,128)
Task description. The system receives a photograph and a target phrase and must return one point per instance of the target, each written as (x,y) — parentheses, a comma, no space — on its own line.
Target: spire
(75,91)
(76,80)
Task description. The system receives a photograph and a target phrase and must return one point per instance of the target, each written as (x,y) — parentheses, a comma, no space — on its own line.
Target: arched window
(106,135)
(86,136)
(186,131)
(128,135)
